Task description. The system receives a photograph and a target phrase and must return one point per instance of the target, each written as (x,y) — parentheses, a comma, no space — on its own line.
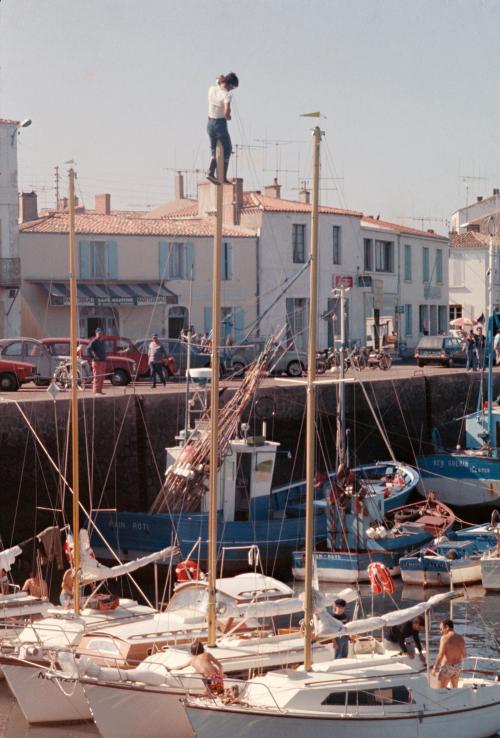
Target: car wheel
(8,382)
(238,369)
(119,378)
(42,382)
(294,369)
(420,364)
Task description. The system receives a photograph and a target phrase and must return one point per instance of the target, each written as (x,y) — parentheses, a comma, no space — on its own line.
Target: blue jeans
(217,131)
(342,647)
(471,359)
(156,369)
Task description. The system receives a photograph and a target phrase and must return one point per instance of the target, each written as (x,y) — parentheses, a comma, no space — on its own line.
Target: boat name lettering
(140,526)
(116,524)
(460,463)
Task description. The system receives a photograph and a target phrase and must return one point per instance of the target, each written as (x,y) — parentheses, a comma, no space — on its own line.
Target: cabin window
(103,644)
(370,697)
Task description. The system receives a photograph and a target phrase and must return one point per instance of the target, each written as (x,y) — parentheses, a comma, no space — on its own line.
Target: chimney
(63,203)
(237,199)
(496,191)
(103,204)
(28,208)
(431,230)
(479,198)
(305,196)
(179,186)
(273,190)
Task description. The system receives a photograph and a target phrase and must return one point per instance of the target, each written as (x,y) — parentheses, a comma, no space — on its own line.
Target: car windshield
(56,349)
(431,342)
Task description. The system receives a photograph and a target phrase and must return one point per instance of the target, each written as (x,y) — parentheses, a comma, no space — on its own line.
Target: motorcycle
(379,358)
(63,374)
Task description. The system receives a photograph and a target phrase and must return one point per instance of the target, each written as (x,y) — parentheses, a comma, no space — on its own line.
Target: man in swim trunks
(452,652)
(211,670)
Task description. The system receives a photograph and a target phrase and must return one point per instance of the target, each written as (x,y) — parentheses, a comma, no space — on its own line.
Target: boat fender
(187,571)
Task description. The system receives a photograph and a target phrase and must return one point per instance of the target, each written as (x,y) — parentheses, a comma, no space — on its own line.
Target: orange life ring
(380,578)
(187,571)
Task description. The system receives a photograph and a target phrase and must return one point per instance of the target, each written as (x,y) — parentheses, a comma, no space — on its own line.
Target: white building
(469,264)
(475,216)
(10,275)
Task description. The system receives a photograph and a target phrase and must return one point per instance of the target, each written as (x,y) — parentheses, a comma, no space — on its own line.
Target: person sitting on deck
(36,586)
(211,670)
(66,596)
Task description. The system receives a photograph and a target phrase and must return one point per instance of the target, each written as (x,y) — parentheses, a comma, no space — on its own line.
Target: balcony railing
(10,272)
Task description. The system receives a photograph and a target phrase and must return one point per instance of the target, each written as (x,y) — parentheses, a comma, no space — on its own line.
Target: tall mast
(490,332)
(311,403)
(75,480)
(214,404)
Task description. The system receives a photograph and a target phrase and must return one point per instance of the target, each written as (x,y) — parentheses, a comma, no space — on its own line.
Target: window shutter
(225,257)
(112,260)
(163,260)
(207,318)
(239,323)
(84,247)
(190,260)
(229,260)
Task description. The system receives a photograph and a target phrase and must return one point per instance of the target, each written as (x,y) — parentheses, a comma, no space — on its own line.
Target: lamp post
(22,124)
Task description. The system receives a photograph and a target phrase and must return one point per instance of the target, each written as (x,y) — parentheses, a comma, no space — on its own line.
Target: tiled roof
(384,225)
(119,224)
(471,239)
(267,203)
(181,207)
(4,121)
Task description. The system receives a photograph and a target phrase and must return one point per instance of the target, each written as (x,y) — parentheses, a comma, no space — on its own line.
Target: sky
(408,90)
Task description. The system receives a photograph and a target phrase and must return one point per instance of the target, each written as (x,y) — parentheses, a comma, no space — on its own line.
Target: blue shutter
(190,260)
(207,319)
(163,260)
(239,323)
(84,247)
(227,261)
(112,260)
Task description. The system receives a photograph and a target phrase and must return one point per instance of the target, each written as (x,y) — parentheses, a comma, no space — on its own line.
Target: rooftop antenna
(466,178)
(424,219)
(56,185)
(185,173)
(238,149)
(277,143)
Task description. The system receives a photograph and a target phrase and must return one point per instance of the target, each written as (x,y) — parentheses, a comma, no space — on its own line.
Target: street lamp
(23,124)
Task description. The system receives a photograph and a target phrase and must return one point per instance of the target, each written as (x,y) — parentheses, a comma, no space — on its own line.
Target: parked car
(286,359)
(31,351)
(120,370)
(177,351)
(118,345)
(15,373)
(445,350)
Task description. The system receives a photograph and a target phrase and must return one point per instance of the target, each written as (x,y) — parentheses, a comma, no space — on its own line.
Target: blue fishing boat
(451,561)
(469,475)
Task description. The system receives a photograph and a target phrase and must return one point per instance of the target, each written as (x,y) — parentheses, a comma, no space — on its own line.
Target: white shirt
(496,341)
(218,97)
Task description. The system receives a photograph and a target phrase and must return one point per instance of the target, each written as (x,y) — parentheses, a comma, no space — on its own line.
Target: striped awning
(116,293)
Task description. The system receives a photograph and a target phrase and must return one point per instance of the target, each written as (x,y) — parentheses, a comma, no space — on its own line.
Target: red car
(120,370)
(15,373)
(121,346)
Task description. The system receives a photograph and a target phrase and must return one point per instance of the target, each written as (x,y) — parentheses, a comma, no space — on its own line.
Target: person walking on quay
(471,349)
(219,112)
(156,354)
(452,652)
(480,343)
(97,352)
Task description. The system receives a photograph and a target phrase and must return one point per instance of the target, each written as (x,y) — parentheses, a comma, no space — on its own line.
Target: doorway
(178,319)
(92,318)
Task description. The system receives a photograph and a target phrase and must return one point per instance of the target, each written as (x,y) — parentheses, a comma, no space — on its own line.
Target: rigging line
(80,505)
(414,453)
(16,509)
(382,432)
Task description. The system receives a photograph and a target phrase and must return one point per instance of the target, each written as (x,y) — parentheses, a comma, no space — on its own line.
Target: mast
(490,333)
(214,404)
(311,403)
(75,480)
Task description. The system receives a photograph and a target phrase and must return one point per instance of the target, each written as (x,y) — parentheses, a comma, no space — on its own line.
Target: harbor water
(476,616)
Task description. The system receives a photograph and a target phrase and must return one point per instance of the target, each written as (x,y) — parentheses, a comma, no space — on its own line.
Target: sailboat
(384,699)
(469,475)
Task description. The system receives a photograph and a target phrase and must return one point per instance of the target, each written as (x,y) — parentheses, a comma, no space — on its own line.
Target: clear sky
(409,88)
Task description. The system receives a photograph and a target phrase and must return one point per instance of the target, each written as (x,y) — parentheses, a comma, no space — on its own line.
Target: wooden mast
(214,405)
(311,403)
(75,479)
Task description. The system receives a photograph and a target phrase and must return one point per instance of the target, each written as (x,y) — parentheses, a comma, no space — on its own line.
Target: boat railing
(478,666)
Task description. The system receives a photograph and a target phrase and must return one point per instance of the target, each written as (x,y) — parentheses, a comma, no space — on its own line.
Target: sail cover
(8,556)
(93,571)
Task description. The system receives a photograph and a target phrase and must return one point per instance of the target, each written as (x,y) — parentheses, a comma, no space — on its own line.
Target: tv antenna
(278,143)
(423,220)
(466,179)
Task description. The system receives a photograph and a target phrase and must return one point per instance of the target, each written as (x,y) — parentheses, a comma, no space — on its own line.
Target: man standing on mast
(219,112)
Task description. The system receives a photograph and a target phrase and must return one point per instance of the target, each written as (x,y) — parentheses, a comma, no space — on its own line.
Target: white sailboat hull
(490,573)
(478,721)
(121,712)
(42,700)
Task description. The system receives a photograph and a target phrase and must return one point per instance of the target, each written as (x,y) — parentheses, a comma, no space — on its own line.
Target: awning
(115,293)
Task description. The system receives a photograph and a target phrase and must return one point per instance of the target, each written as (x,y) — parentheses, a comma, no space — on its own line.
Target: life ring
(187,571)
(380,578)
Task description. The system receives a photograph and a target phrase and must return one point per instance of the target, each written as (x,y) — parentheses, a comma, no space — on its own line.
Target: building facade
(10,267)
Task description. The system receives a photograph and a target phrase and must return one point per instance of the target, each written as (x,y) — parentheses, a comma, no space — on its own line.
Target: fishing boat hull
(44,700)
(462,480)
(339,566)
(477,721)
(490,573)
(437,571)
(135,534)
(122,712)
